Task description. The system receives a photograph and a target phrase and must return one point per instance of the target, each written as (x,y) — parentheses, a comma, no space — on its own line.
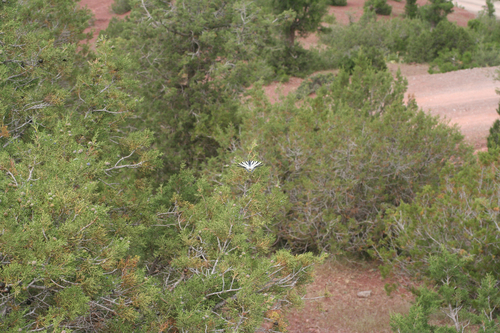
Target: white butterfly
(250,165)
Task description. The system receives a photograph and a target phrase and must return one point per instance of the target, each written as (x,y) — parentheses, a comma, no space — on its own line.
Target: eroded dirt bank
(466,97)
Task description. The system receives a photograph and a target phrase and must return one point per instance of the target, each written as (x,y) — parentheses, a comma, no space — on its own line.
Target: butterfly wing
(244,165)
(255,164)
(249,165)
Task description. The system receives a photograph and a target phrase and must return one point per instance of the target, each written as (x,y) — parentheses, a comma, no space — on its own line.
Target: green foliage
(449,35)
(367,91)
(329,19)
(427,45)
(343,156)
(305,16)
(73,179)
(419,49)
(375,37)
(449,236)
(378,6)
(453,60)
(291,61)
(91,240)
(312,84)
(487,28)
(486,302)
(338,2)
(86,243)
(411,9)
(454,48)
(452,296)
(121,6)
(436,11)
(493,140)
(213,255)
(490,9)
(369,15)
(374,56)
(446,46)
(64,21)
(467,228)
(193,59)
(474,24)
(417,319)
(486,55)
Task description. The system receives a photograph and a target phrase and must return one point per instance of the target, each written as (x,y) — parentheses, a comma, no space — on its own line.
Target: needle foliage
(88,241)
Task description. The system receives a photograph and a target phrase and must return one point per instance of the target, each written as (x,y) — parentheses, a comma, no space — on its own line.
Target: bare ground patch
(341,310)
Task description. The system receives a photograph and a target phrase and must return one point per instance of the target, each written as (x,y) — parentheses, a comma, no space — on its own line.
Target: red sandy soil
(337,308)
(102,15)
(467,98)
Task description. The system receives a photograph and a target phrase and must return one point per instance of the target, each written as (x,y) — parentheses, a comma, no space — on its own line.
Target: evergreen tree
(85,243)
(490,8)
(193,59)
(211,253)
(436,11)
(448,236)
(69,192)
(305,16)
(493,140)
(411,9)
(378,6)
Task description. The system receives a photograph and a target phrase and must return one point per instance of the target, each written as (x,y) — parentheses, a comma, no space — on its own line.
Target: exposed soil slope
(476,6)
(466,97)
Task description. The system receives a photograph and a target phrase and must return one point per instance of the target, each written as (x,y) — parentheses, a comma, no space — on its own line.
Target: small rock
(365,294)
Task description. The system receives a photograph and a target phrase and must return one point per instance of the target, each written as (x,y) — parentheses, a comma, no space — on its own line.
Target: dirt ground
(476,6)
(334,305)
(466,98)
(102,15)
